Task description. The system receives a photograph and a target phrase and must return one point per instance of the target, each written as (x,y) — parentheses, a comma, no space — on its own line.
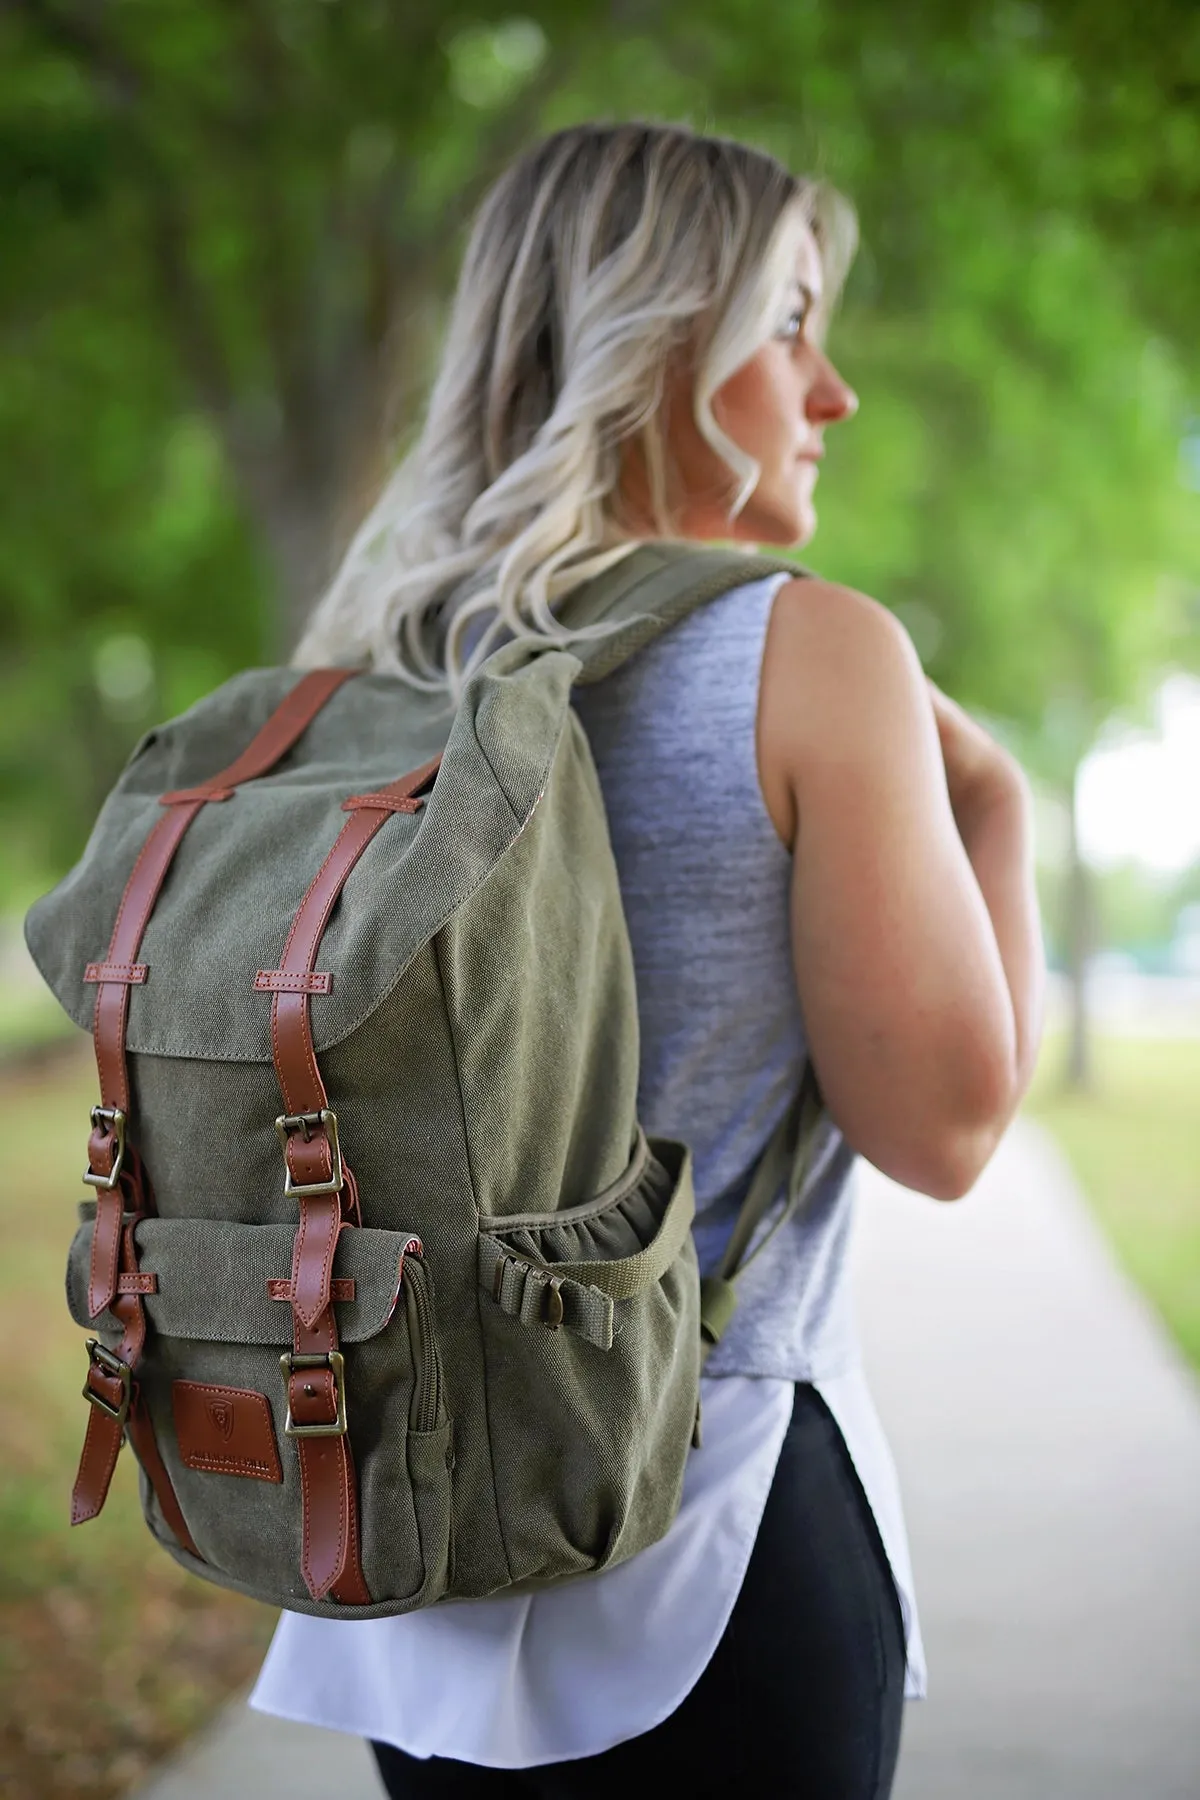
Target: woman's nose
(830,398)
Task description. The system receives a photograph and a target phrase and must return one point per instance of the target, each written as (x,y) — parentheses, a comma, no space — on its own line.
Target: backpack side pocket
(592,1349)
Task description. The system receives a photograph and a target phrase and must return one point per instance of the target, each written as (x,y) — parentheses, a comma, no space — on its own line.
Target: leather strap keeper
(387,803)
(135,1281)
(134,973)
(283,1288)
(197,796)
(293,981)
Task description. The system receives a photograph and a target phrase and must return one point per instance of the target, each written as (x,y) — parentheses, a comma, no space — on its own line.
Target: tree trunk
(308,482)
(297,530)
(1079,943)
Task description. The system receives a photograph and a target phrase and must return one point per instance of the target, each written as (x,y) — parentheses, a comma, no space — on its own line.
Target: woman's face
(776,407)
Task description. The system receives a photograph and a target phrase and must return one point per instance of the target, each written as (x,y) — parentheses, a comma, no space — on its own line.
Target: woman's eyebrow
(810,297)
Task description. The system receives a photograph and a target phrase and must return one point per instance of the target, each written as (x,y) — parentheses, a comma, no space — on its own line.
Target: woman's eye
(793,325)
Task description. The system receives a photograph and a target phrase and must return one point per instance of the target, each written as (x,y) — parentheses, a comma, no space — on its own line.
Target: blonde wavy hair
(597,257)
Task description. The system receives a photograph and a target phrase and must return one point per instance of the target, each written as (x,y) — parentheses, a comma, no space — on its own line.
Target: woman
(636,352)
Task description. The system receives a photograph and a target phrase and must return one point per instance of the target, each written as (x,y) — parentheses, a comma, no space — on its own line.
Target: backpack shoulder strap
(648,591)
(651,589)
(788,1154)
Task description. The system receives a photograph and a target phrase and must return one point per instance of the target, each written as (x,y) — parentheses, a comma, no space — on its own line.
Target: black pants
(804,1692)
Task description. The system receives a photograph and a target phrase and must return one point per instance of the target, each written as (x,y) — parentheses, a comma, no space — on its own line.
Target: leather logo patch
(220,1413)
(226,1431)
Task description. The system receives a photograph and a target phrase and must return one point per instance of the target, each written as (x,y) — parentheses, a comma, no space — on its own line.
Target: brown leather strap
(108,1036)
(329,1556)
(310,1159)
(112,1240)
(101,1444)
(330,1549)
(132,1314)
(106,1249)
(309,1152)
(286,725)
(108,1387)
(141,1436)
(330,1560)
(98,1459)
(276,738)
(121,1409)
(312,1258)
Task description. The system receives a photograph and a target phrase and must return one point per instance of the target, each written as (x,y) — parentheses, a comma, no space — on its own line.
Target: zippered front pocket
(217,1307)
(430,1448)
(426,1410)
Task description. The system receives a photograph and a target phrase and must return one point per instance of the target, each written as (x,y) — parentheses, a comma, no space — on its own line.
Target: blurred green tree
(226,235)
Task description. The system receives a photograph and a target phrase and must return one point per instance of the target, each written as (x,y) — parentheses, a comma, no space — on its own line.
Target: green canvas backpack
(387,1288)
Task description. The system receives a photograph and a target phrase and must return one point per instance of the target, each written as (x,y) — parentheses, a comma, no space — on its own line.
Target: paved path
(1048,1440)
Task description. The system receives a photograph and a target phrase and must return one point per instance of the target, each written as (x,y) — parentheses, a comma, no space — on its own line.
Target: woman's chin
(784,522)
(788,529)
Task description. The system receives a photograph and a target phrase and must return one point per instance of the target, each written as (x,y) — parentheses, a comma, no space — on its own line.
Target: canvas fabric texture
(479,1045)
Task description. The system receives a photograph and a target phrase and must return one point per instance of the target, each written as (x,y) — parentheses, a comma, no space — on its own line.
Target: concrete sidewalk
(1048,1441)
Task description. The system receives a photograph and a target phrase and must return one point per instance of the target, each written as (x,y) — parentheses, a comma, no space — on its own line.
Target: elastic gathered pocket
(592,1342)
(210,1378)
(570,1269)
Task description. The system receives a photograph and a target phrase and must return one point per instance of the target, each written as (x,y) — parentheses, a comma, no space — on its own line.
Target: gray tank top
(705,883)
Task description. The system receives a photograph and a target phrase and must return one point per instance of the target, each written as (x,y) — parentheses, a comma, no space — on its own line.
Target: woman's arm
(992,805)
(900,972)
(996,827)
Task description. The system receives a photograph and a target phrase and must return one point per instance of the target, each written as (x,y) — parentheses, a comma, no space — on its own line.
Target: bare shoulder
(900,982)
(826,646)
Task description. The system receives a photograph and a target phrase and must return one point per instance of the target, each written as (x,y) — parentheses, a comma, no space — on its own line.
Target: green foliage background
(226,239)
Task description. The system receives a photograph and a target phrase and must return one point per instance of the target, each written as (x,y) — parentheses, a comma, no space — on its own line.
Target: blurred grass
(1134,1145)
(110,1654)
(31,1020)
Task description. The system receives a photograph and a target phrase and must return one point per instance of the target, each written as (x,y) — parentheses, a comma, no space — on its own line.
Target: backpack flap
(244,865)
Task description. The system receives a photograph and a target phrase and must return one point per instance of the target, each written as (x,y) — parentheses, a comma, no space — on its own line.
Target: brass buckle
(552,1306)
(305,1123)
(103,1358)
(114,1118)
(332,1360)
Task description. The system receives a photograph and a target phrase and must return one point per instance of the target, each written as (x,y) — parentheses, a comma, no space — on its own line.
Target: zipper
(426,1401)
